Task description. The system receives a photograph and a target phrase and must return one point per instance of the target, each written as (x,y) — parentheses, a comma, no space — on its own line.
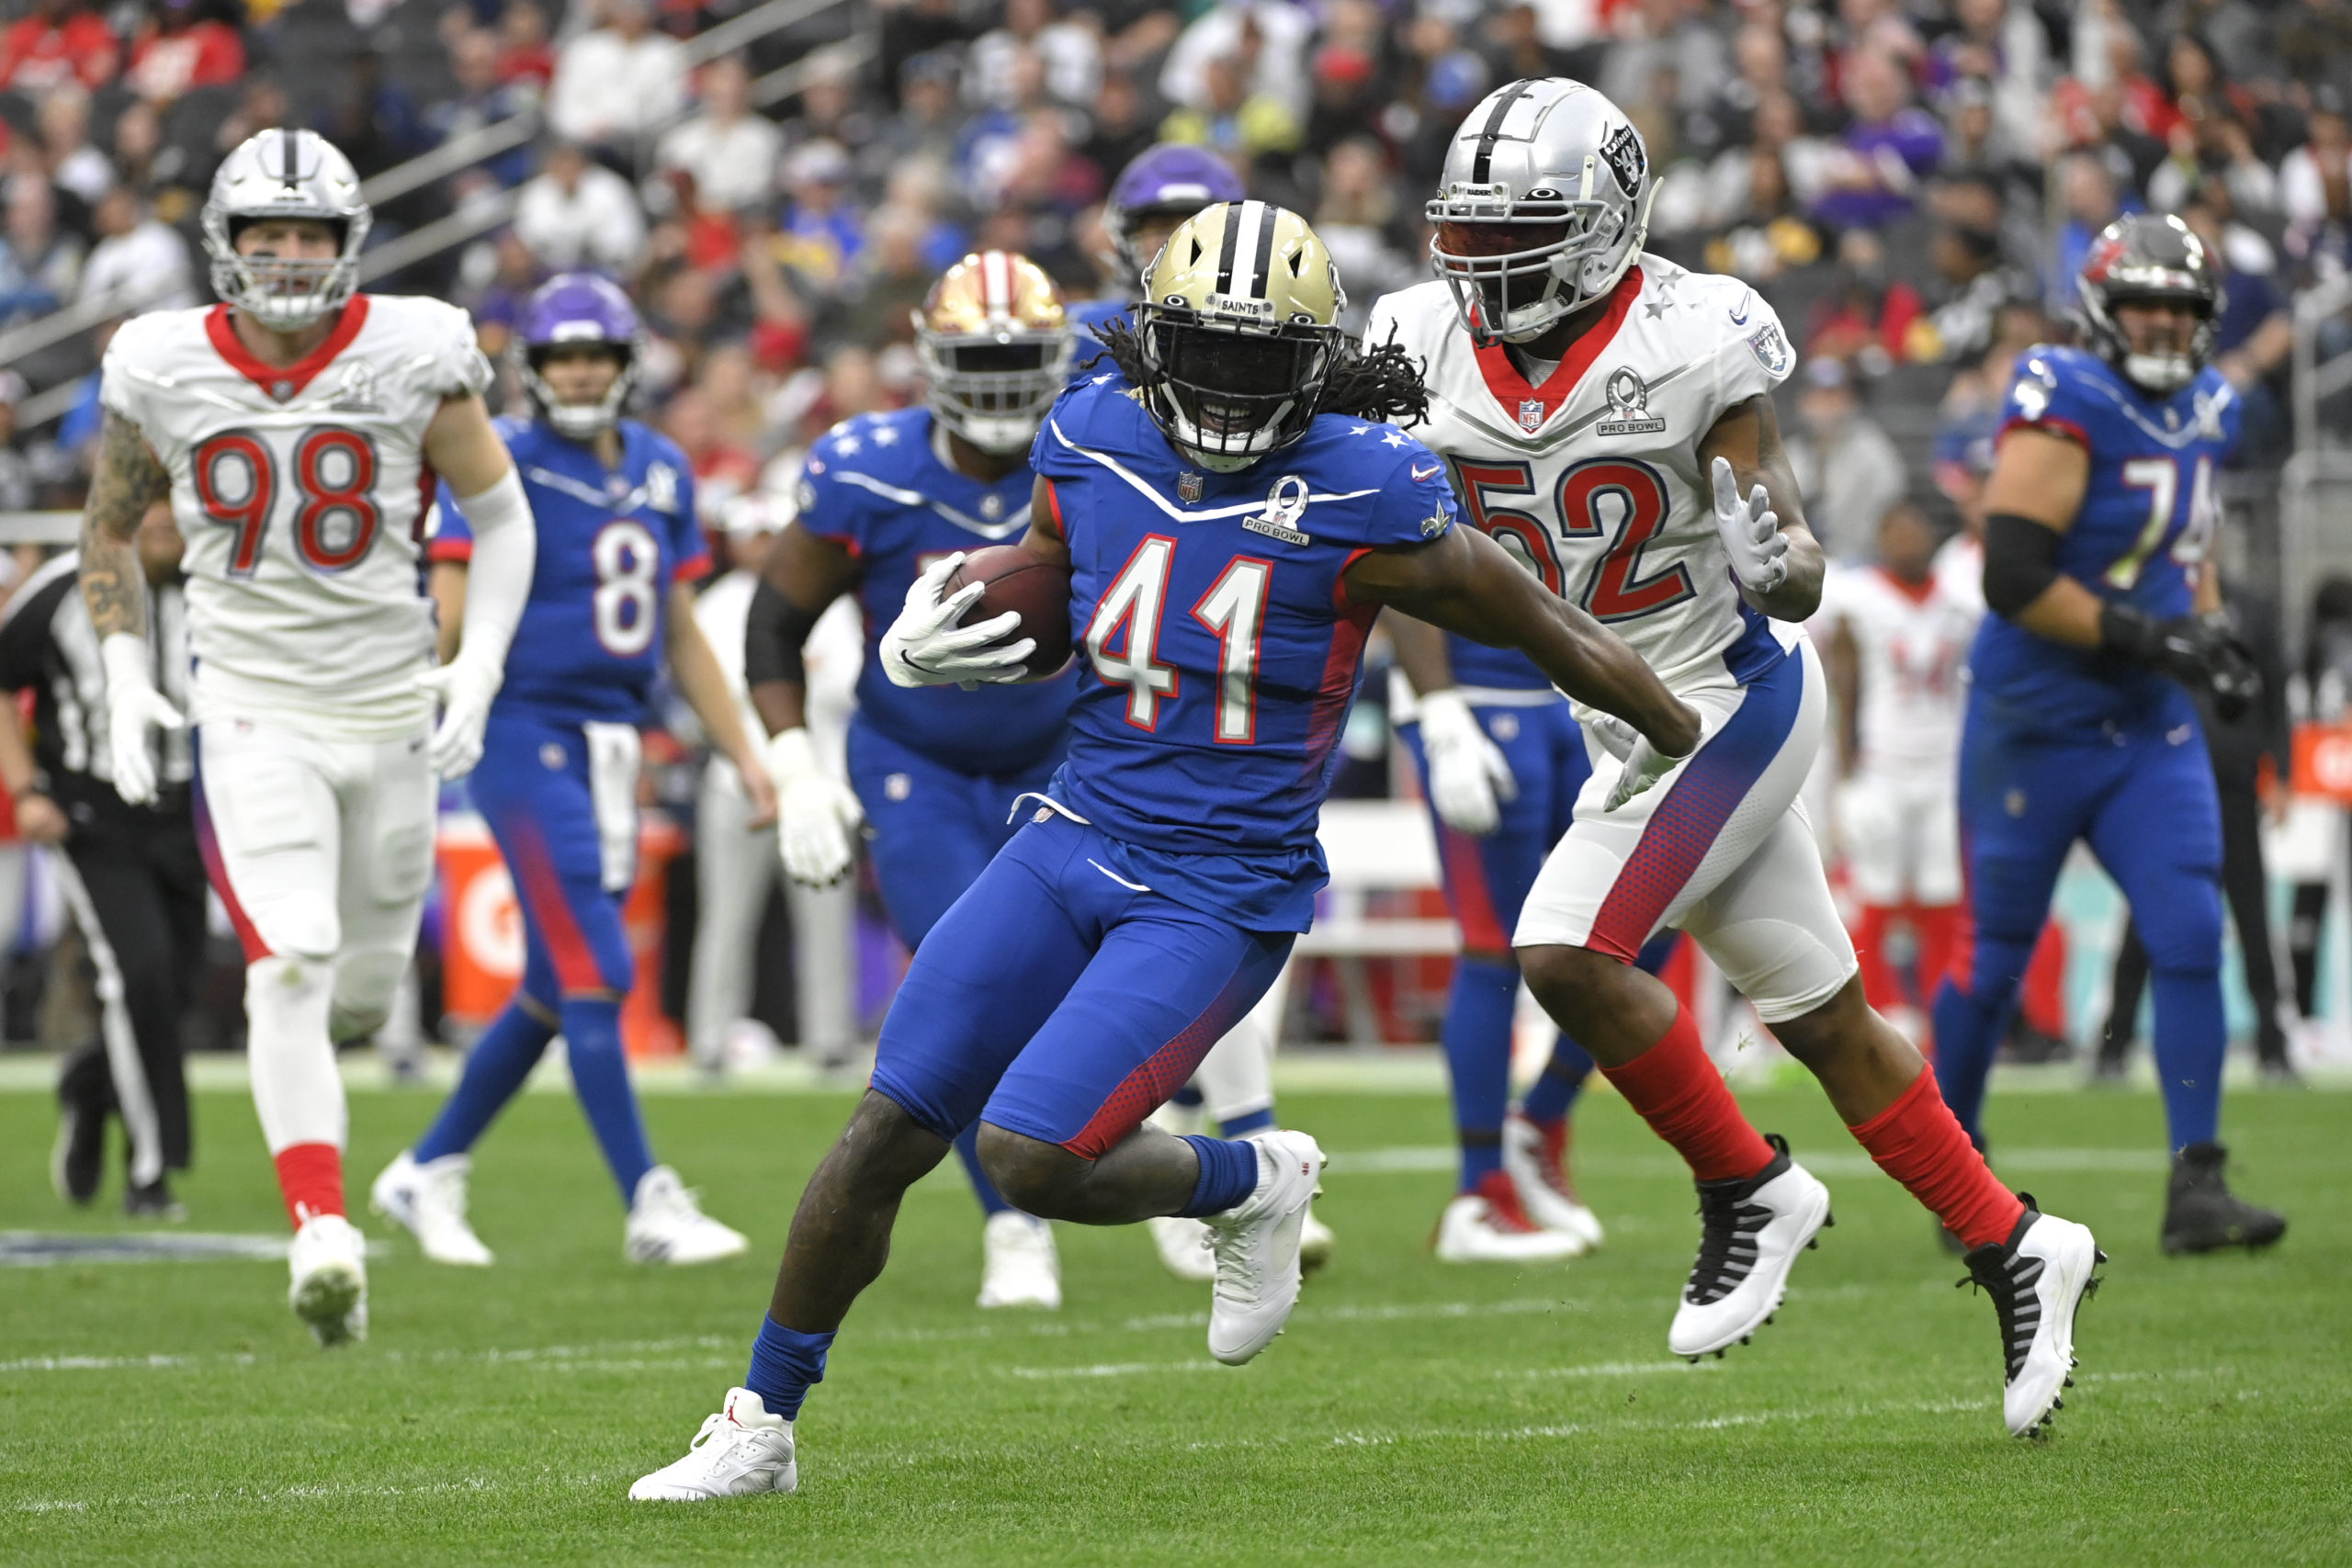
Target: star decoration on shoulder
(1394,438)
(847,446)
(1103,377)
(885,437)
(1665,301)
(1359,430)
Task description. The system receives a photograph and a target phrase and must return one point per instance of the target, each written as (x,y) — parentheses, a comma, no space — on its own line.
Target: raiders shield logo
(1629,405)
(1622,150)
(1531,414)
(1188,487)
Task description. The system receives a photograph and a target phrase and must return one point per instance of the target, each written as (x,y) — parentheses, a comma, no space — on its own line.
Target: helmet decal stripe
(1262,263)
(1233,211)
(1482,168)
(996,284)
(289,167)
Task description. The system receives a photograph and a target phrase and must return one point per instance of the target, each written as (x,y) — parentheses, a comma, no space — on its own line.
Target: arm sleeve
(448,536)
(506,551)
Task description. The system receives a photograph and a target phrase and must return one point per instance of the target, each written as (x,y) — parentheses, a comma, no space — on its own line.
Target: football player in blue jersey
(1502,762)
(1162,187)
(557,784)
(1234,511)
(2100,519)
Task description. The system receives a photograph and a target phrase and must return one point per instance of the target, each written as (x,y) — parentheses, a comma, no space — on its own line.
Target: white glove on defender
(1750,531)
(1469,774)
(133,707)
(466,688)
(1645,764)
(816,816)
(924,647)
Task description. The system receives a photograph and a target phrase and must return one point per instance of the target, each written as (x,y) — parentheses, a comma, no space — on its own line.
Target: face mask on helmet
(285,293)
(995,394)
(581,421)
(2159,366)
(285,176)
(1226,397)
(1515,280)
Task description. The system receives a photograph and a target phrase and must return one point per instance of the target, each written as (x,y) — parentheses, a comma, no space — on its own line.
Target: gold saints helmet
(1238,331)
(995,345)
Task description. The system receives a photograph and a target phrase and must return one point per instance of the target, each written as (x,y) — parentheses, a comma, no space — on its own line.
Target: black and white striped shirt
(47,644)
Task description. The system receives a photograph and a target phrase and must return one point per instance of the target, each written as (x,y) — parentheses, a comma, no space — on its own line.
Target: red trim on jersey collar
(296,377)
(1918,593)
(1509,388)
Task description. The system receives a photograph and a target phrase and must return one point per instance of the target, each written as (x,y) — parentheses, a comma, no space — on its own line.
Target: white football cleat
(1256,1244)
(1183,1247)
(1020,1267)
(329,1264)
(1315,1243)
(429,1201)
(1752,1233)
(2037,1279)
(666,1225)
(1539,1168)
(739,1452)
(1486,1225)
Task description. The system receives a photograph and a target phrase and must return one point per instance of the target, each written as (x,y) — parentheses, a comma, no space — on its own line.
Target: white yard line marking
(1612,1370)
(1414,1159)
(1108,1369)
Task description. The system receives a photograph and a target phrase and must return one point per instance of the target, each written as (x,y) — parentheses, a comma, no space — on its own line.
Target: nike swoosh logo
(1431,472)
(1739,317)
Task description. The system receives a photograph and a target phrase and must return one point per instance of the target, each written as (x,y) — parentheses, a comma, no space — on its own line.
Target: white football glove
(816,818)
(1750,531)
(1469,774)
(924,647)
(133,707)
(1645,764)
(465,687)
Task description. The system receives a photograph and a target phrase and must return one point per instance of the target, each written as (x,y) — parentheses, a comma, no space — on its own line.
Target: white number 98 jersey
(1593,479)
(301,492)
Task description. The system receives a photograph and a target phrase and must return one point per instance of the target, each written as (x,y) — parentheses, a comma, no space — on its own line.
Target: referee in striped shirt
(132,875)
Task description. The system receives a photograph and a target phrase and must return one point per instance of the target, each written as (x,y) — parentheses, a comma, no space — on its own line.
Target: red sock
(1918,1141)
(1880,988)
(1938,928)
(310,1175)
(1680,1095)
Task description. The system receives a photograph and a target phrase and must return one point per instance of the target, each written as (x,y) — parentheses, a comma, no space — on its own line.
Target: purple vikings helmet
(1170,180)
(576,308)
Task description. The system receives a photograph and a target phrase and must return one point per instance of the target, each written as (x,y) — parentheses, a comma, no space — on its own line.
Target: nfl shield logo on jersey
(1531,414)
(1188,487)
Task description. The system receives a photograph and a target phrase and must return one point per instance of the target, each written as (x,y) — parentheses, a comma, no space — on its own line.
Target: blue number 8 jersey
(610,543)
(2146,520)
(1218,653)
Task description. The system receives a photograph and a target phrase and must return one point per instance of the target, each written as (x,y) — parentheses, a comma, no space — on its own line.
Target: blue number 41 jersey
(1218,653)
(2145,525)
(610,543)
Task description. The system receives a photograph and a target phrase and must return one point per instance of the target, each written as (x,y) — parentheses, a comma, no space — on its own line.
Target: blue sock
(1248,1122)
(785,1363)
(592,1030)
(1477,1054)
(2191,1038)
(1553,1094)
(1968,1028)
(967,1149)
(1228,1175)
(496,1069)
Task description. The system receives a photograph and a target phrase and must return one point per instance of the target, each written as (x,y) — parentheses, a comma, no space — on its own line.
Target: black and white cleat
(2037,1279)
(1751,1232)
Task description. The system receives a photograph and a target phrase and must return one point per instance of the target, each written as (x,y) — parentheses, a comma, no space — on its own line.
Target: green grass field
(176,1413)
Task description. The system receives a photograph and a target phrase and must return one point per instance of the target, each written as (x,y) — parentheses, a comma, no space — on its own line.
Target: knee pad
(364,985)
(281,989)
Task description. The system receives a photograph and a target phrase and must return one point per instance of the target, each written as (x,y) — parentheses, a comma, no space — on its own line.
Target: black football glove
(2200,652)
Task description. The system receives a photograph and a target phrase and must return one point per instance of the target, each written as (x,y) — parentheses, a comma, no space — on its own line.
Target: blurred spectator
(1971,285)
(19,485)
(180,47)
(1889,146)
(2086,192)
(928,125)
(892,281)
(731,153)
(484,98)
(58,41)
(1849,470)
(579,213)
(1120,126)
(2315,182)
(1072,54)
(141,159)
(2255,334)
(1266,38)
(1358,211)
(1232,118)
(723,469)
(41,265)
(65,144)
(617,82)
(138,261)
(525,61)
(820,237)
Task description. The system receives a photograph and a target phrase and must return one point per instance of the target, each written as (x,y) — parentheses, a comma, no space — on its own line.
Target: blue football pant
(2145,804)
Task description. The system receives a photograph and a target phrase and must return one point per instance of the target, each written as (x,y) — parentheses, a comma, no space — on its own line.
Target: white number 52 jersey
(1593,479)
(300,491)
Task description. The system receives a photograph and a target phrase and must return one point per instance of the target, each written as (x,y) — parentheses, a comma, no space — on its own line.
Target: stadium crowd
(1912,185)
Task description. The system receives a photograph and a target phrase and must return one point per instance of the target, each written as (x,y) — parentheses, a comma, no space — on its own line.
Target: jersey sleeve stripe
(2051,423)
(460,550)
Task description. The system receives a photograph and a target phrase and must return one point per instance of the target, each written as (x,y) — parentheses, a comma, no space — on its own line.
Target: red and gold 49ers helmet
(995,345)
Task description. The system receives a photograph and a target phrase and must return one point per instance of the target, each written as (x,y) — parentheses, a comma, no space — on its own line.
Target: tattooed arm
(129,480)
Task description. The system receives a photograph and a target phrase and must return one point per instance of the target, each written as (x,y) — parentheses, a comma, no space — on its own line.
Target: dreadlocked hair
(1382,384)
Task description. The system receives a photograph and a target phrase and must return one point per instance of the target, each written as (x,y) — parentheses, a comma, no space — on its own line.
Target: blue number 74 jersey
(1218,653)
(2146,520)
